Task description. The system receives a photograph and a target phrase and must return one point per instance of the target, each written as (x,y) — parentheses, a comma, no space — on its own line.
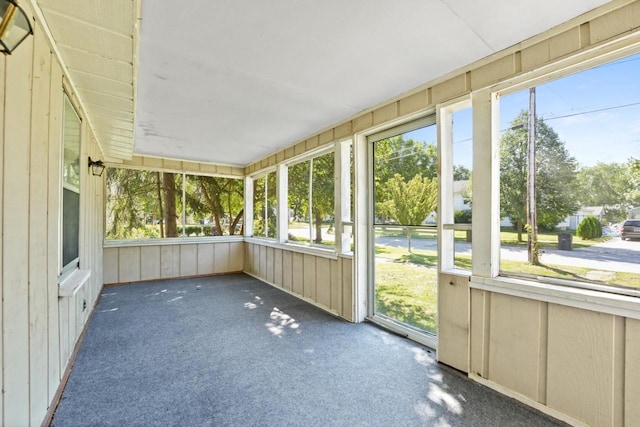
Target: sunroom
(412,165)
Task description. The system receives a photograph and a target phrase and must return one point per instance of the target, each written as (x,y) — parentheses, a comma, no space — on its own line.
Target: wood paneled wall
(38,330)
(577,362)
(324,282)
(126,264)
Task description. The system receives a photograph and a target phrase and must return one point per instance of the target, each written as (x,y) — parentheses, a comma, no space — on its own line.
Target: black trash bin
(565,241)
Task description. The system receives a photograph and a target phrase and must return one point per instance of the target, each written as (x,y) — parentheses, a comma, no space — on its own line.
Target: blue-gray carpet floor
(233,351)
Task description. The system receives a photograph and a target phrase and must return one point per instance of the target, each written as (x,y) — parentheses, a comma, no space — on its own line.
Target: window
(70,188)
(311,201)
(152,204)
(569,177)
(456,147)
(265,206)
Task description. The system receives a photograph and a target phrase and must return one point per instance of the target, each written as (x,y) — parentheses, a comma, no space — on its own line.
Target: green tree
(608,185)
(409,203)
(218,199)
(461,173)
(406,158)
(321,172)
(555,171)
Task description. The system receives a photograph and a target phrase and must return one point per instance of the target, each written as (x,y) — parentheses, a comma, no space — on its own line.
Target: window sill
(310,250)
(171,241)
(604,302)
(71,284)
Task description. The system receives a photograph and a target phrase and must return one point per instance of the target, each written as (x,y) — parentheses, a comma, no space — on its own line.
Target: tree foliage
(320,172)
(409,203)
(609,185)
(149,204)
(555,171)
(407,158)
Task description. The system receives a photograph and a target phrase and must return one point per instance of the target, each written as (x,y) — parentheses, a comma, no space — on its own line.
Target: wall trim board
(72,360)
(323,253)
(299,296)
(127,243)
(525,400)
(602,302)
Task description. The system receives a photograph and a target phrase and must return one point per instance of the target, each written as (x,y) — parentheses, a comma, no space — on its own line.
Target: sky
(596,113)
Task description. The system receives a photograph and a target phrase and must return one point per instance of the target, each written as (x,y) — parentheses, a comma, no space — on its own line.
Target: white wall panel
(205,258)
(188,260)
(149,263)
(15,228)
(38,281)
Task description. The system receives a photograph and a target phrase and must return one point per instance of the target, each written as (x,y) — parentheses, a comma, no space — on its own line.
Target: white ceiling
(230,81)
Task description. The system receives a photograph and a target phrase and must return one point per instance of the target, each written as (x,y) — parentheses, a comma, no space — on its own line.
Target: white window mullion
(310,209)
(283,205)
(248,207)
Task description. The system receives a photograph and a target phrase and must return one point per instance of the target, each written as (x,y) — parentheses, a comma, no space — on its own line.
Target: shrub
(589,228)
(462,217)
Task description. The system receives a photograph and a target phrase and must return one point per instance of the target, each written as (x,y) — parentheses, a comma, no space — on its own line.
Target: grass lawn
(406,283)
(546,239)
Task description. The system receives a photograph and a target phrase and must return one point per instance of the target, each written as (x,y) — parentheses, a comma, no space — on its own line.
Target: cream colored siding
(318,279)
(134,263)
(38,329)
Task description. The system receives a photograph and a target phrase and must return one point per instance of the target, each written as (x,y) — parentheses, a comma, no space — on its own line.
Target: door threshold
(405,331)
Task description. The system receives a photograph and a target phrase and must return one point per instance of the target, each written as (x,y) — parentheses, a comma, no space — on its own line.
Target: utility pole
(532,220)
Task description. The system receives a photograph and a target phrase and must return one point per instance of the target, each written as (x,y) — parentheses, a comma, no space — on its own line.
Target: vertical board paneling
(15,227)
(336,289)
(221,253)
(323,282)
(63,310)
(296,273)
(632,373)
(236,256)
(287,270)
(129,264)
(38,297)
(262,272)
(477,331)
(53,225)
(149,262)
(270,266)
(347,289)
(309,276)
(205,258)
(453,321)
(256,260)
(188,260)
(3,62)
(277,267)
(169,261)
(248,257)
(580,363)
(110,260)
(514,343)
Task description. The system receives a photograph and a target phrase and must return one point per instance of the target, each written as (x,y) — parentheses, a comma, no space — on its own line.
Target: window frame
(583,294)
(308,156)
(65,270)
(182,238)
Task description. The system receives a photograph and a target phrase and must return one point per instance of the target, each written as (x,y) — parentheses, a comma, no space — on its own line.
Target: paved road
(613,255)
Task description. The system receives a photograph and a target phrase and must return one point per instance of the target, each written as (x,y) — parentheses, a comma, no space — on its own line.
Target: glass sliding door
(404,238)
